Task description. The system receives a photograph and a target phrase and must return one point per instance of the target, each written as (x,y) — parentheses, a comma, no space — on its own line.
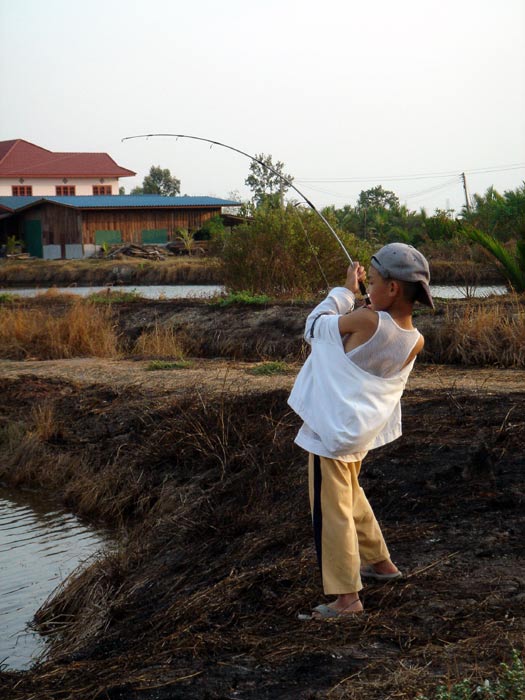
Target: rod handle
(362,289)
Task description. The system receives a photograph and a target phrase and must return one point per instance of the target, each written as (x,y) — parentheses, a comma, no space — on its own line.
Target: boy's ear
(394,287)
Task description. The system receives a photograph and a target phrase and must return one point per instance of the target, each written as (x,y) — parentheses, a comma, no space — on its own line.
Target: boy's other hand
(356,273)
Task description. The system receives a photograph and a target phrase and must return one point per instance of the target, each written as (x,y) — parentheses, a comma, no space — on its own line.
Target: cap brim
(424,296)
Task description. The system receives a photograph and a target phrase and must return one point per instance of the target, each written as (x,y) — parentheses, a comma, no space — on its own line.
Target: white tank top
(385,353)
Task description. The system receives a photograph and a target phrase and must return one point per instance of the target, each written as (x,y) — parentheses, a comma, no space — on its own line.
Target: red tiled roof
(19,158)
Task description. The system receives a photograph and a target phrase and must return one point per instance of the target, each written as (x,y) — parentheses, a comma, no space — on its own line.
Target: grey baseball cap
(400,261)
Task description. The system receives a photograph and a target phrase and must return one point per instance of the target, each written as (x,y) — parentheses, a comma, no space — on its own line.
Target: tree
(503,216)
(377,198)
(268,187)
(159,181)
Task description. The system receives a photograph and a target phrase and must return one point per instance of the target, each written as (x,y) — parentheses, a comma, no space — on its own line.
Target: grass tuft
(242,298)
(113,297)
(44,421)
(163,364)
(160,342)
(269,368)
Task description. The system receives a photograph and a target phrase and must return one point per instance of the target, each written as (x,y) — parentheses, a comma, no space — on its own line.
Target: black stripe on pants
(317,515)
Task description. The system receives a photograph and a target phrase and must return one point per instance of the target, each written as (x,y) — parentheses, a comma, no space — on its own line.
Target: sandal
(370,573)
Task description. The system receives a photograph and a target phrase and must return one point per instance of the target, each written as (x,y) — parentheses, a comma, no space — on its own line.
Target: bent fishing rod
(287,182)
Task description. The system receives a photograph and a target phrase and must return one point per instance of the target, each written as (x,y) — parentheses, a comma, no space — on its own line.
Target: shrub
(286,252)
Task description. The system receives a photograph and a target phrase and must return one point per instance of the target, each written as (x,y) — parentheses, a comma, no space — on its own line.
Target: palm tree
(511,262)
(186,239)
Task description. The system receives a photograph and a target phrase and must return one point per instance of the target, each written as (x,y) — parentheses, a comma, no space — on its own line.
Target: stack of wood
(181,248)
(19,256)
(137,251)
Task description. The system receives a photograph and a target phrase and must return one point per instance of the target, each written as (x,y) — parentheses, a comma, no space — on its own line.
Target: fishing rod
(287,182)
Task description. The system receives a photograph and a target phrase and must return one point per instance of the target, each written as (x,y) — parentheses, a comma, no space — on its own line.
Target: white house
(30,170)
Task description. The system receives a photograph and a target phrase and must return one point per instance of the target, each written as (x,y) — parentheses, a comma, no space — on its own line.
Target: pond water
(154,291)
(206,291)
(40,545)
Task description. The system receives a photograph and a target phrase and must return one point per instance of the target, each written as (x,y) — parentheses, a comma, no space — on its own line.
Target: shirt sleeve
(339,301)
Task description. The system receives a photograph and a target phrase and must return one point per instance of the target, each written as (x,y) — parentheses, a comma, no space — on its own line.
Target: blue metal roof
(118,201)
(14,203)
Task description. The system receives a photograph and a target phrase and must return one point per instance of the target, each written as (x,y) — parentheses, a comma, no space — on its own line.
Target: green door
(33,238)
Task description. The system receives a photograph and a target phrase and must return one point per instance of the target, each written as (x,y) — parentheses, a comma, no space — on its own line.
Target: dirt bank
(98,272)
(467,332)
(199,468)
(188,270)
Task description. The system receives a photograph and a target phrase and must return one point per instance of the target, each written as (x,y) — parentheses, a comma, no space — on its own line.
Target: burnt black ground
(203,601)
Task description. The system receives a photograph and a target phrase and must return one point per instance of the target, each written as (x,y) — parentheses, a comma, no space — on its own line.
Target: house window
(101,189)
(22,190)
(65,190)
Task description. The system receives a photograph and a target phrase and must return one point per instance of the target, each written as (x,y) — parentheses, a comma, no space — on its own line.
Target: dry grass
(160,342)
(81,330)
(44,421)
(483,334)
(472,333)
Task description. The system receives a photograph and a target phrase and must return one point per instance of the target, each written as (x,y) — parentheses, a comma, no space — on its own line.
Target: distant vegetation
(286,249)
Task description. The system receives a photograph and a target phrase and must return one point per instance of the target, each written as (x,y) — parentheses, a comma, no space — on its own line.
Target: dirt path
(219,375)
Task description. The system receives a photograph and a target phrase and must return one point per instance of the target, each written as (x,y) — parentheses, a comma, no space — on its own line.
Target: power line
(415,176)
(434,188)
(428,190)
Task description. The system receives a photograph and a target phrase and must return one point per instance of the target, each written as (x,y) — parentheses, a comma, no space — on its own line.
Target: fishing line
(288,183)
(311,245)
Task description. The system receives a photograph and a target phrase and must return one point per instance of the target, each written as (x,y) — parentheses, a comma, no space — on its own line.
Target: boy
(348,395)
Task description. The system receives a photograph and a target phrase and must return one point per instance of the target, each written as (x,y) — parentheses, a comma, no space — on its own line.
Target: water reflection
(40,545)
(206,291)
(153,291)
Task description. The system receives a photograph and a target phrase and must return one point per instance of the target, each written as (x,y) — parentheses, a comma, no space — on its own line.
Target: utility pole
(467,201)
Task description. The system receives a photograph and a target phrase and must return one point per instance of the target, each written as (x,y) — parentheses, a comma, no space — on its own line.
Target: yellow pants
(345,528)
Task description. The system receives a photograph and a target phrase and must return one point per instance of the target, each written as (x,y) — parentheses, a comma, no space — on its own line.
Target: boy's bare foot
(381,571)
(346,604)
(384,567)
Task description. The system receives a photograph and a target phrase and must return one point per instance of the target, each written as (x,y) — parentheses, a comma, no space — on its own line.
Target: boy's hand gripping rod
(289,183)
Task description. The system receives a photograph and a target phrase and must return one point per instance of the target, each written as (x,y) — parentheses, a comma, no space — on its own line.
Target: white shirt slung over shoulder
(350,402)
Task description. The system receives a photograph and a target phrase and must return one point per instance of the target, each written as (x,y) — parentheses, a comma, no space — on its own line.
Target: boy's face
(379,290)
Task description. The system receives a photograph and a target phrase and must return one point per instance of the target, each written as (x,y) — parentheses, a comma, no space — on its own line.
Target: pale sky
(347,94)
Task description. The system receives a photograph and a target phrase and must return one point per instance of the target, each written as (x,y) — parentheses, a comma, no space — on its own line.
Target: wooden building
(75,227)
